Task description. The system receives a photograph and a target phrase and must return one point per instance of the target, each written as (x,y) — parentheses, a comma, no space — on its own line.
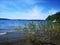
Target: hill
(53,17)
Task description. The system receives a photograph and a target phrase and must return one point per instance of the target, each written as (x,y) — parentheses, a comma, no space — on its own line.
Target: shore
(17,38)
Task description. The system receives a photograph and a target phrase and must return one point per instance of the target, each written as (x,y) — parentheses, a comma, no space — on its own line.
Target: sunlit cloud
(25,9)
(52,11)
(34,13)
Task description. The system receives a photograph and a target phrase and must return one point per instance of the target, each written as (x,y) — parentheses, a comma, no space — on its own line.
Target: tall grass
(50,31)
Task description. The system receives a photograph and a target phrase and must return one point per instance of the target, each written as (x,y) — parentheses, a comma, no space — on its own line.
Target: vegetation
(49,32)
(53,28)
(17,28)
(54,17)
(31,29)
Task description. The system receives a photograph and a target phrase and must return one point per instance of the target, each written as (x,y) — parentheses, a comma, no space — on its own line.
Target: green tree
(53,17)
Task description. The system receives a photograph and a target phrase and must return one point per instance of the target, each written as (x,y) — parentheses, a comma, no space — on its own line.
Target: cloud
(18,5)
(20,2)
(52,11)
(34,13)
(24,9)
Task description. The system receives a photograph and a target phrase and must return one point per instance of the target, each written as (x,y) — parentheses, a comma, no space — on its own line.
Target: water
(11,36)
(8,25)
(1,31)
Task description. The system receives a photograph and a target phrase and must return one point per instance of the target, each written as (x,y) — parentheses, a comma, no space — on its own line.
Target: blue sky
(28,9)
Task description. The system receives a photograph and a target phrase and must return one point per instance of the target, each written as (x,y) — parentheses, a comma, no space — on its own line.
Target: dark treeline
(53,17)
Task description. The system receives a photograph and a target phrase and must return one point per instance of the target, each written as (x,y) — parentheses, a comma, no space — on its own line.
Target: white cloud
(34,13)
(52,11)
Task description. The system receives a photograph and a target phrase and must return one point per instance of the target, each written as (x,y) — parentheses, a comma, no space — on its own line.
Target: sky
(28,9)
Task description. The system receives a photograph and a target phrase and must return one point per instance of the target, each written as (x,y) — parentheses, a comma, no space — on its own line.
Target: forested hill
(53,17)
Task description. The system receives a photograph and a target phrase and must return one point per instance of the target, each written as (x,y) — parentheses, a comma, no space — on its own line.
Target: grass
(31,40)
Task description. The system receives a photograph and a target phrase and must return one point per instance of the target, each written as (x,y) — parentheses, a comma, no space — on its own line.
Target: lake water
(1,31)
(11,36)
(10,24)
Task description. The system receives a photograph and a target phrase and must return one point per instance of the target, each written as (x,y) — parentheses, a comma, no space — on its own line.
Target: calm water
(10,24)
(1,31)
(11,36)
